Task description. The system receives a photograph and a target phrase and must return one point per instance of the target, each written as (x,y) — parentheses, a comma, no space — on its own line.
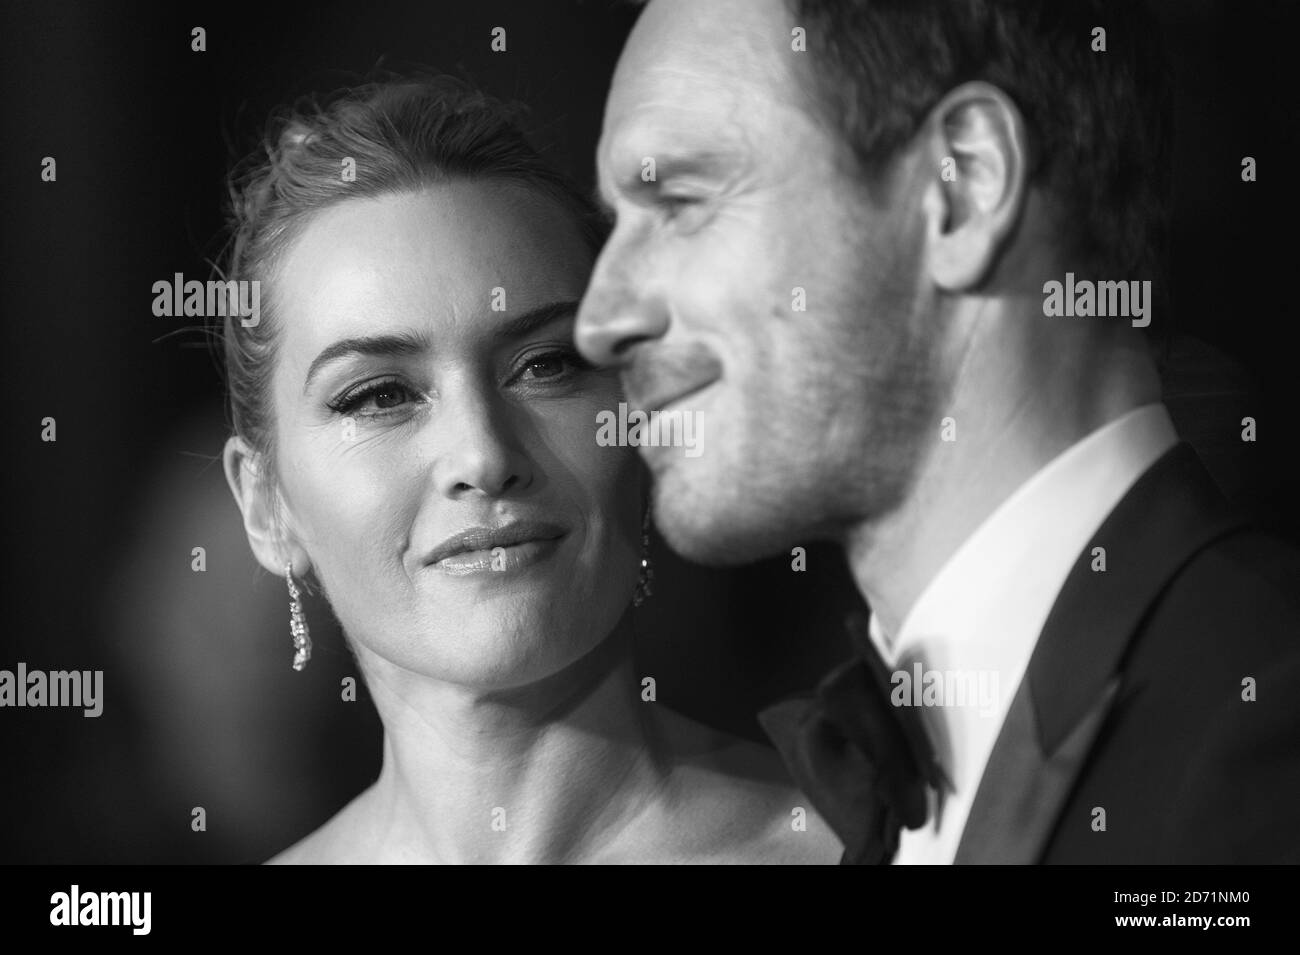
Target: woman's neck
(540,774)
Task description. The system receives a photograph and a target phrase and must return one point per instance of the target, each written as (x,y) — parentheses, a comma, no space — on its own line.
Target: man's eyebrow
(710,163)
(403,344)
(704,162)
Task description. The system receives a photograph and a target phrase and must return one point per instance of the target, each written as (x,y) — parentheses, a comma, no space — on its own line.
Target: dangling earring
(297,622)
(647,575)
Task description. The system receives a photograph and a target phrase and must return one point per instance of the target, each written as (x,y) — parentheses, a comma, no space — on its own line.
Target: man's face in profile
(750,282)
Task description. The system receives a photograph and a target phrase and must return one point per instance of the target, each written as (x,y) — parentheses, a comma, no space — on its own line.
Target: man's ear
(271,543)
(979,150)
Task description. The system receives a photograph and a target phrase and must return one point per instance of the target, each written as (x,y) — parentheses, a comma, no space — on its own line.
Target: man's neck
(1015,408)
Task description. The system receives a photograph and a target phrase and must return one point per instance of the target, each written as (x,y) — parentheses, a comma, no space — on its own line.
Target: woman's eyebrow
(534,319)
(381,346)
(404,344)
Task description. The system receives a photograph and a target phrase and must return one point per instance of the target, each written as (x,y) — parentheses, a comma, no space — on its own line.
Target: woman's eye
(548,366)
(389,396)
(374,399)
(551,366)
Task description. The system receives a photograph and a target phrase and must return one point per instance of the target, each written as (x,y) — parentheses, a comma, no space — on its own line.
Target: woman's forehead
(453,258)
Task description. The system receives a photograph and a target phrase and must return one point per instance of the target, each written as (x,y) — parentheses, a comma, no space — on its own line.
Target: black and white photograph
(675,432)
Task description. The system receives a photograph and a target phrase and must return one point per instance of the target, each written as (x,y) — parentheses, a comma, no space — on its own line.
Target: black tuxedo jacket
(1133,737)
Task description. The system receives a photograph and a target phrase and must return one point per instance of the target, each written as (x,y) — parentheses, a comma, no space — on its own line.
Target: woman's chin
(495,644)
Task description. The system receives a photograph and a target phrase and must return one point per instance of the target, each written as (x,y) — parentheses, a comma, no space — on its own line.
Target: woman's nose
(480,449)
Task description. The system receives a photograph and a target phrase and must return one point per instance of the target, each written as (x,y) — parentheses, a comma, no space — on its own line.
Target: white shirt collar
(975,625)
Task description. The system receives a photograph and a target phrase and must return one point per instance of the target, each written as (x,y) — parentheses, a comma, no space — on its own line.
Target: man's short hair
(1099,122)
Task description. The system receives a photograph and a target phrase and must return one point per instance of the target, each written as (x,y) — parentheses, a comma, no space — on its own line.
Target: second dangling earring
(646,576)
(297,622)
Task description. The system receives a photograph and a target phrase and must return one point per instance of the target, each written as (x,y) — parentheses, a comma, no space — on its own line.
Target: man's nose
(617,313)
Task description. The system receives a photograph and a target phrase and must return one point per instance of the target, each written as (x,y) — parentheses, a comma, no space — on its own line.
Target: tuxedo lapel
(1172,512)
(1023,788)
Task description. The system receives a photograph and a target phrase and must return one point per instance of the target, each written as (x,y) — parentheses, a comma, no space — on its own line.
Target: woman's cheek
(353,501)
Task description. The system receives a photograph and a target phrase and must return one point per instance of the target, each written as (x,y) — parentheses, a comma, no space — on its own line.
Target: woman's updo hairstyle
(395,135)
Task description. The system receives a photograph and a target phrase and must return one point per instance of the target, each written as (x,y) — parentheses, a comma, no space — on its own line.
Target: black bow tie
(863,763)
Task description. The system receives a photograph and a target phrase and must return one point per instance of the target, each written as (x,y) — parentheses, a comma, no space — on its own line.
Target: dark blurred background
(202,708)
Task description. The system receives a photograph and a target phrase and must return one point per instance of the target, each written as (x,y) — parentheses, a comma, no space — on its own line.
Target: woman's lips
(498,549)
(499,559)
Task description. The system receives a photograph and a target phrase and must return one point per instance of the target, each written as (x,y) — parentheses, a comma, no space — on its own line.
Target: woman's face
(436,434)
